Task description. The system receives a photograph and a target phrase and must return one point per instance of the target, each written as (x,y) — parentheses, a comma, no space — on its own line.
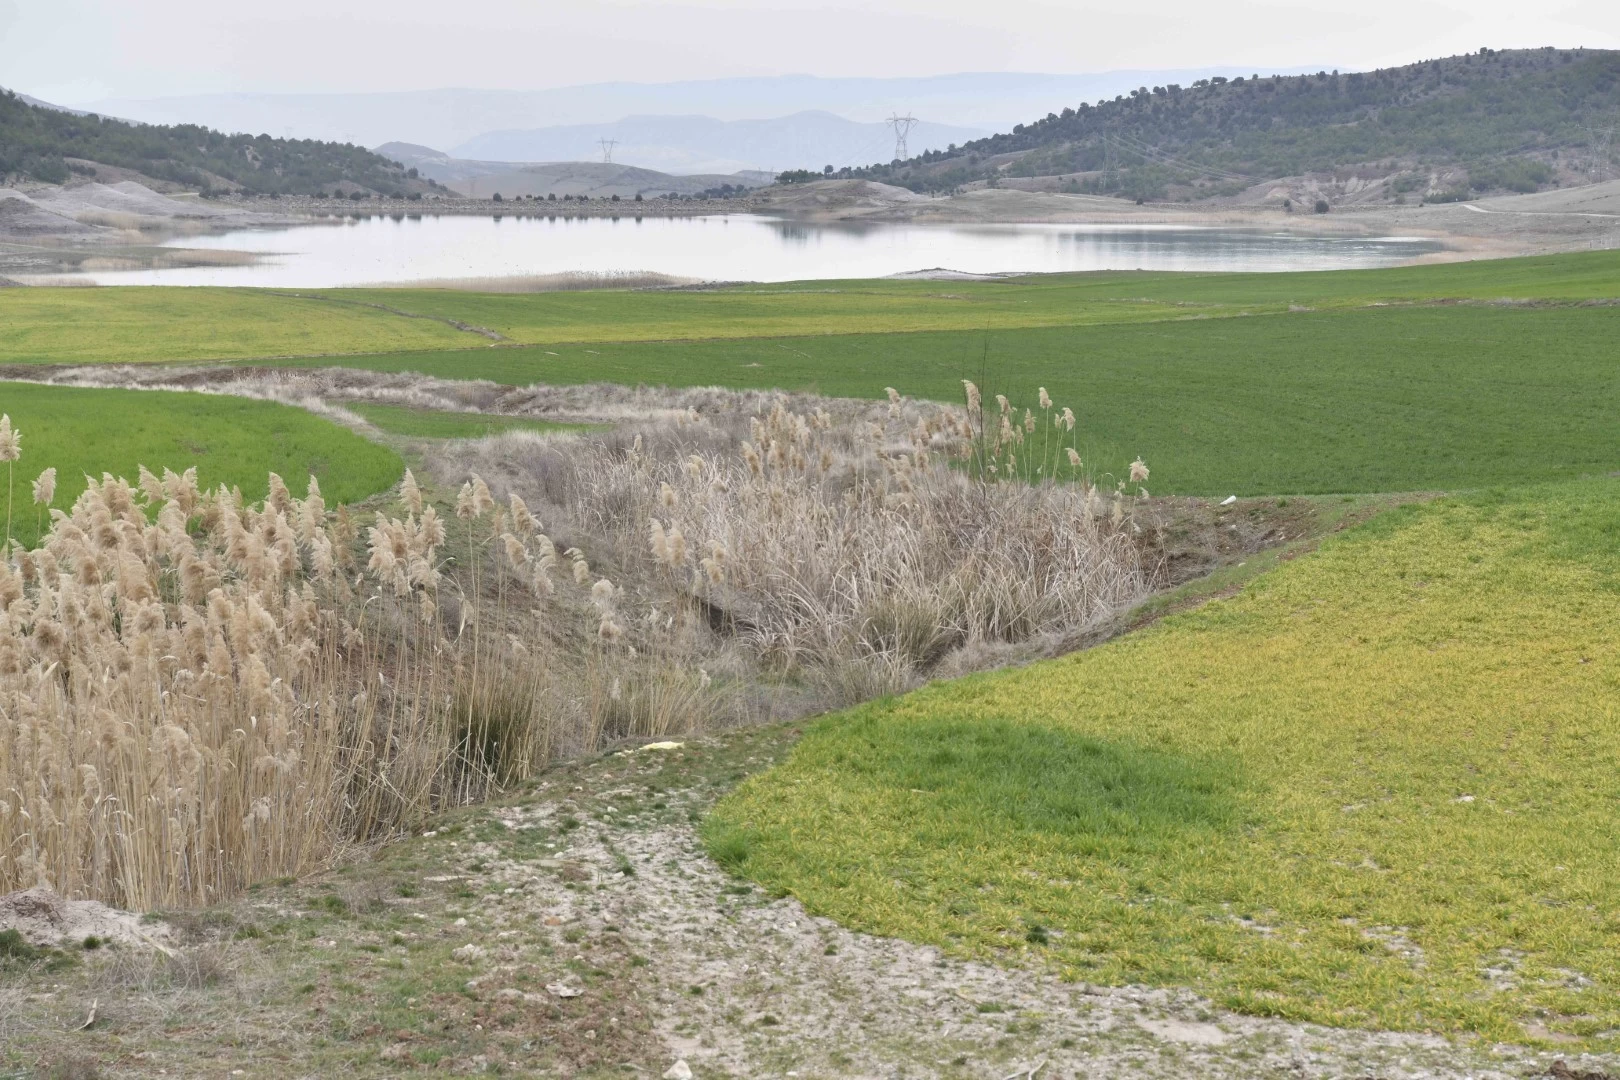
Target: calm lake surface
(739,247)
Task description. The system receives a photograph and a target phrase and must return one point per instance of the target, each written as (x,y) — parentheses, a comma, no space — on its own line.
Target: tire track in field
(457,324)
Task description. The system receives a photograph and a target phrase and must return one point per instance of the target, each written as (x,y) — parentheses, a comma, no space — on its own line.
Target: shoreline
(1500,228)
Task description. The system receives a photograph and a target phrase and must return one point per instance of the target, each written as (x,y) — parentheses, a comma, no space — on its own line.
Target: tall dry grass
(856,548)
(196,693)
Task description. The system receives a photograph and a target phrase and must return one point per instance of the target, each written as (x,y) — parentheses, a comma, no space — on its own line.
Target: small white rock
(679,1071)
(1229,500)
(563,990)
(468,954)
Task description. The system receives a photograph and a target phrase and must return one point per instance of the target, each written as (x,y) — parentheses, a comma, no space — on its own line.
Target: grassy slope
(230,440)
(119,325)
(1384,399)
(140,325)
(1374,788)
(847,307)
(1346,397)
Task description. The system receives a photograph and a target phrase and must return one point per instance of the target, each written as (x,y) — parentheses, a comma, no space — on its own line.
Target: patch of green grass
(1375,788)
(1382,399)
(232,441)
(429,424)
(74,325)
(881,306)
(133,326)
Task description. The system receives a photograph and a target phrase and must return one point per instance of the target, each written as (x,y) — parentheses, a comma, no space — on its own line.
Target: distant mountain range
(702,144)
(599,180)
(451,118)
(37,103)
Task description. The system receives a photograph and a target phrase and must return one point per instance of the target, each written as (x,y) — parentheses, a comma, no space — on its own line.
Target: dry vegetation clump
(849,545)
(197,693)
(312,387)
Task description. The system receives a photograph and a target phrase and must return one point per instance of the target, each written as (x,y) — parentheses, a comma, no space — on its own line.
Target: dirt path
(785,994)
(579,930)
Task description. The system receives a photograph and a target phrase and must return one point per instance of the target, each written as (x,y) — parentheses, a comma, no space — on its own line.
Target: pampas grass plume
(973,398)
(45,487)
(411,493)
(525,523)
(10,439)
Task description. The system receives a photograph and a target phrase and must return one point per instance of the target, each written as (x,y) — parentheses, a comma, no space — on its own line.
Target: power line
(902,126)
(1135,145)
(607,150)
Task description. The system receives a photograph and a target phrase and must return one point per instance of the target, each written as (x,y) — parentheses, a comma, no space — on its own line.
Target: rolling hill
(48,144)
(1516,120)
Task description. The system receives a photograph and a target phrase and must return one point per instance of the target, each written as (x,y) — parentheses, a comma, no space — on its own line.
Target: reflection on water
(733,247)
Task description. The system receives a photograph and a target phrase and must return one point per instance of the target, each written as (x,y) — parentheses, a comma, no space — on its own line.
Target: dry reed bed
(197,693)
(837,541)
(325,387)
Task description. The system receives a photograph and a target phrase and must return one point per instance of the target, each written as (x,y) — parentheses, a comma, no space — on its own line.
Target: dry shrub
(843,541)
(196,694)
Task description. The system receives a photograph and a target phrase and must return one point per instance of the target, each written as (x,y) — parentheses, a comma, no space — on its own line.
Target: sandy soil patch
(46,920)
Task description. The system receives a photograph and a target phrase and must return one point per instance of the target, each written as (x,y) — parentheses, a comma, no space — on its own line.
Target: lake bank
(630,250)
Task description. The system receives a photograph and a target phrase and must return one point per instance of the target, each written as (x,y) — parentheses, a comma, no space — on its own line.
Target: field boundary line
(466,327)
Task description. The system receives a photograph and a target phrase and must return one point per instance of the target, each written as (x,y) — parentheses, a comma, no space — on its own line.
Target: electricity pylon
(607,150)
(902,126)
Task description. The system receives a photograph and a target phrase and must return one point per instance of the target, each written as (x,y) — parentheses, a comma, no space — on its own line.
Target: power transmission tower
(902,126)
(1599,143)
(607,150)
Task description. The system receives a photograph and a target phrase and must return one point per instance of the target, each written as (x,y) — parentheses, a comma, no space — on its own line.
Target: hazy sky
(79,50)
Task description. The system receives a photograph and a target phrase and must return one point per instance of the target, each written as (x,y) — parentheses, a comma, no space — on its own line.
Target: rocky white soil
(744,985)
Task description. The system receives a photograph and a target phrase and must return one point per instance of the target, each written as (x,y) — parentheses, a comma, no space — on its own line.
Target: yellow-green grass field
(1377,787)
(105,325)
(1421,378)
(140,325)
(231,441)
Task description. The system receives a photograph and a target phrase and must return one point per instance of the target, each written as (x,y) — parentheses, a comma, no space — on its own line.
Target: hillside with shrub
(1493,120)
(51,145)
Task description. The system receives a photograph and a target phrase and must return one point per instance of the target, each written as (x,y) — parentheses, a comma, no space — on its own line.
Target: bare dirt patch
(46,920)
(578,929)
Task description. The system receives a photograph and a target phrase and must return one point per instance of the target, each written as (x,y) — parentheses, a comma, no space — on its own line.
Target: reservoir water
(400,249)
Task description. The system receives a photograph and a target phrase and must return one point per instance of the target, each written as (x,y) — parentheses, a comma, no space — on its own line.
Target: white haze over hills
(450,118)
(702,144)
